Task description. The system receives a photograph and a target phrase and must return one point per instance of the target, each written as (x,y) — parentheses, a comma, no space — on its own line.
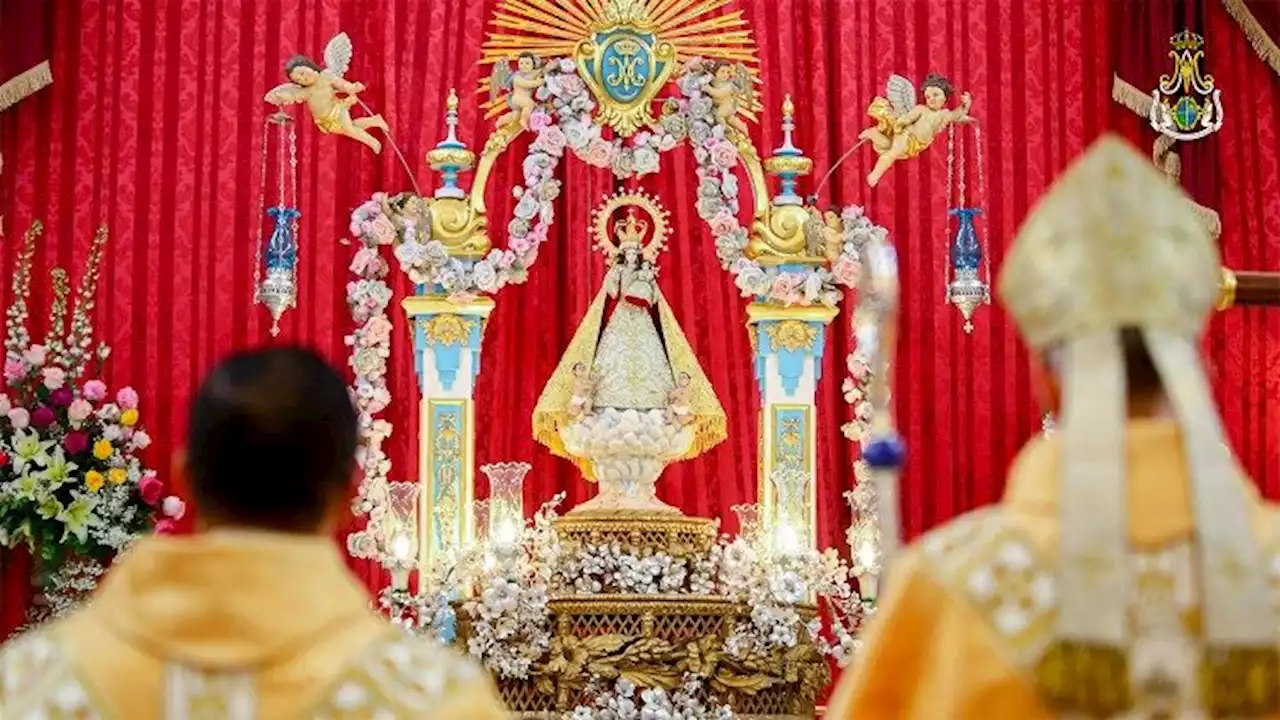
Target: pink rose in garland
(73,486)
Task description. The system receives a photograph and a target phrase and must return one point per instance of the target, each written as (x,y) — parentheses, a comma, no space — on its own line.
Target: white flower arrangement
(625,701)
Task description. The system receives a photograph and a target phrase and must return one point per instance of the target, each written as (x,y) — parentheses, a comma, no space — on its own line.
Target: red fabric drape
(155,128)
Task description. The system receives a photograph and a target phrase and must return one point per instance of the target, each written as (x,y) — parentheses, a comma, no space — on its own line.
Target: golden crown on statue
(631,231)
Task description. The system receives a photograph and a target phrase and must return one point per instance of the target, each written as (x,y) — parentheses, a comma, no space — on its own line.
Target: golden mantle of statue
(628,395)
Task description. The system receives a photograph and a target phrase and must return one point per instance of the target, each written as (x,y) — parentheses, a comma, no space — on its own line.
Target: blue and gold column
(447,338)
(789,343)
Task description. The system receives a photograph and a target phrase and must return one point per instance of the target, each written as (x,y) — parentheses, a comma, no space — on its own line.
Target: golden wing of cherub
(337,54)
(499,80)
(901,94)
(286,94)
(746,87)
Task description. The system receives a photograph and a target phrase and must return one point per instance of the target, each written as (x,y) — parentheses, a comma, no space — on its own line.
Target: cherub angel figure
(520,86)
(319,87)
(904,128)
(680,402)
(731,89)
(824,234)
(584,390)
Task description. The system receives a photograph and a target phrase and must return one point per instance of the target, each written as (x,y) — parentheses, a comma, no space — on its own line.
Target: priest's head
(271,443)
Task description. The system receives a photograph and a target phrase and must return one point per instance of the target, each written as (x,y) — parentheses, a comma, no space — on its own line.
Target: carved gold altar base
(654,640)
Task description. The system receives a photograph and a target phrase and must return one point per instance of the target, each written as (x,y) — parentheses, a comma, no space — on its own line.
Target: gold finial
(631,231)
(788,107)
(452,102)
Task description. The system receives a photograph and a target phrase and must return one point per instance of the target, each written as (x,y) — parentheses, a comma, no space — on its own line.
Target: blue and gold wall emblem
(625,68)
(1187,105)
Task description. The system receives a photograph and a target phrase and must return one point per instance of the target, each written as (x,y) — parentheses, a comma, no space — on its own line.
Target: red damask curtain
(154,128)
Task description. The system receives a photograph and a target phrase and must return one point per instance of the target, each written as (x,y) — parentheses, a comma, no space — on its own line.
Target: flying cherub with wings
(520,86)
(905,128)
(731,89)
(319,88)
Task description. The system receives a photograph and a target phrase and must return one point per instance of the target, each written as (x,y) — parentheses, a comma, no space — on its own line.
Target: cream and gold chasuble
(235,626)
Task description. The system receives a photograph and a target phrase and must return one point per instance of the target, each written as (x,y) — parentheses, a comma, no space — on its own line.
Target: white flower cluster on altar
(509,588)
(624,701)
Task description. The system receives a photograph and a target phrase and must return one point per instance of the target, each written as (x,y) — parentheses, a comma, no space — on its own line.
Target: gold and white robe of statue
(651,403)
(230,626)
(1131,570)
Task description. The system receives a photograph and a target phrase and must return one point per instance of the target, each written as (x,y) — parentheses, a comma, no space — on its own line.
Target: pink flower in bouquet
(723,223)
(35,355)
(538,234)
(75,443)
(112,433)
(166,527)
(14,369)
(79,410)
(151,489)
(54,377)
(379,329)
(173,507)
(551,141)
(95,391)
(538,120)
(127,398)
(520,246)
(62,397)
(5,405)
(43,417)
(19,417)
(140,440)
(572,84)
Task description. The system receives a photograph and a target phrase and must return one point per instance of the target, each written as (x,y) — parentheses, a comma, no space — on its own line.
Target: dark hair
(1141,376)
(939,81)
(271,440)
(298,61)
(531,56)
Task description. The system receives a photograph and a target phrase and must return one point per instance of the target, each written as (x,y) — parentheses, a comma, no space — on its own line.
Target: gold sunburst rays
(554,28)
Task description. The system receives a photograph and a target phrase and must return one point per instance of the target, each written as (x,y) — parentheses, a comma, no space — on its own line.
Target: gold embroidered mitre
(1111,245)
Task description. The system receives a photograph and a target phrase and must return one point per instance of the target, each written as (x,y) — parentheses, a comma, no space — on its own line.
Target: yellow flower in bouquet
(102,449)
(93,480)
(129,418)
(117,476)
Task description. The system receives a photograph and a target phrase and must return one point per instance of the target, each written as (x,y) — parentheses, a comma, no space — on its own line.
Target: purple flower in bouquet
(62,397)
(95,391)
(75,443)
(43,417)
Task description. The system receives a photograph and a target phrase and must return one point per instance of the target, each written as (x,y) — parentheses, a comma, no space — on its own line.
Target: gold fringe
(24,84)
(1130,97)
(1262,43)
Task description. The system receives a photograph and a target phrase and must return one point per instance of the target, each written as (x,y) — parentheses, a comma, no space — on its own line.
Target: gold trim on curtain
(24,84)
(1262,42)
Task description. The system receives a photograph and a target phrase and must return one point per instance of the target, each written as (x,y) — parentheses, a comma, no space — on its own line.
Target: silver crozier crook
(876,327)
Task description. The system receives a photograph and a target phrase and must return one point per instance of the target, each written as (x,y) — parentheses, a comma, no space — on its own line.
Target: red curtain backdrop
(154,128)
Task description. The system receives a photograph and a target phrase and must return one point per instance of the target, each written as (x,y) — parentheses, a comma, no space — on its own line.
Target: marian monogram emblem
(625,67)
(1187,105)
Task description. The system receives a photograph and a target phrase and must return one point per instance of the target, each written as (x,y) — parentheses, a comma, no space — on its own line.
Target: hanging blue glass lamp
(276,270)
(968,279)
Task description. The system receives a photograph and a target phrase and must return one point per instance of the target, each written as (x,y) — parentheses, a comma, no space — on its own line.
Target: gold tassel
(1258,38)
(24,84)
